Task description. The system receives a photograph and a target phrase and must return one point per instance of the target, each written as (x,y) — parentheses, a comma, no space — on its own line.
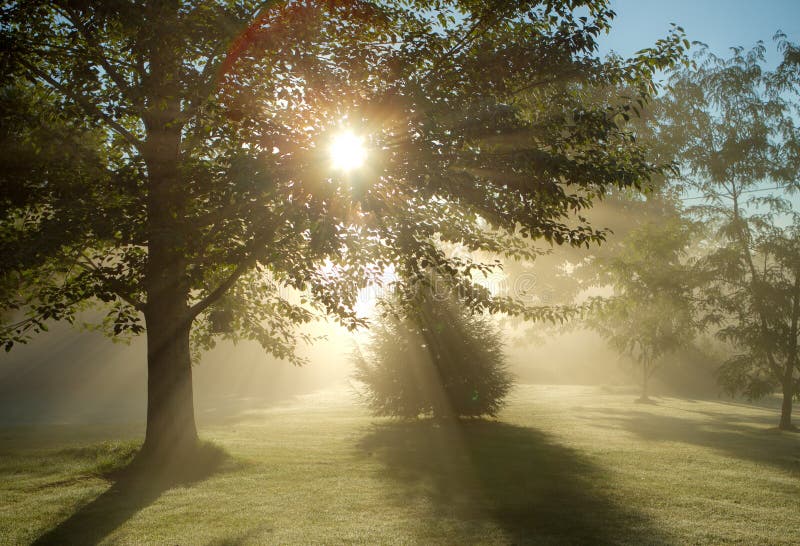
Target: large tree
(733,124)
(170,159)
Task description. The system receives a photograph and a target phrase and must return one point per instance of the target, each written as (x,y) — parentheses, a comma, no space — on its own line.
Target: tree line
(720,252)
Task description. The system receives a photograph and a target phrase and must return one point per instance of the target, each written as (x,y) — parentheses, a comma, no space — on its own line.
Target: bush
(433,358)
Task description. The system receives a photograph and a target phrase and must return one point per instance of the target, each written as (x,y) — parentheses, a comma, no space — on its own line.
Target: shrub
(433,358)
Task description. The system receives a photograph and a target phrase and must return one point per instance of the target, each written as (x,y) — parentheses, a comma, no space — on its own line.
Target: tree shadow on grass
(133,488)
(738,435)
(535,490)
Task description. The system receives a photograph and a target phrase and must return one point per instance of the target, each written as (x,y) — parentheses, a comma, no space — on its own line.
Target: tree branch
(88,106)
(744,240)
(112,72)
(241,268)
(116,287)
(458,45)
(207,87)
(220,290)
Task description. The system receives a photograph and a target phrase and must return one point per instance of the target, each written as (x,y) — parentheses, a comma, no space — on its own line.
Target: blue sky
(718,23)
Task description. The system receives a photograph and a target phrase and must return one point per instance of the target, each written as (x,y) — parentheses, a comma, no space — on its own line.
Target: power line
(741,192)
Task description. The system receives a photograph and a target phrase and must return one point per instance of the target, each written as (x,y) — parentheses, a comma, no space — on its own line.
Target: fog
(71,376)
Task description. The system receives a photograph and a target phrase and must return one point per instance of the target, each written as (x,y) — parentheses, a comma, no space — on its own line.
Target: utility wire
(745,191)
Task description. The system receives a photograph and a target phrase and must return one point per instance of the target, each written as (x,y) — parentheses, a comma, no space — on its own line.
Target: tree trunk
(645,397)
(786,407)
(171,426)
(170,408)
(791,364)
(645,393)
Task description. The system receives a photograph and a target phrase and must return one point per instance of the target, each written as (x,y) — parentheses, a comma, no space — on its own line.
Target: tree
(430,355)
(734,127)
(169,159)
(650,314)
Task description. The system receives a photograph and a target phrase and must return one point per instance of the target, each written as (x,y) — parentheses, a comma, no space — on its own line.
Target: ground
(561,465)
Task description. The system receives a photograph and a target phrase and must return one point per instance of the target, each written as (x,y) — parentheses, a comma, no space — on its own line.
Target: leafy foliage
(134,126)
(650,314)
(734,125)
(432,356)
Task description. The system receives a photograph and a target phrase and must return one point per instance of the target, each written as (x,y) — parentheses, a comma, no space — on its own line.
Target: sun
(347,151)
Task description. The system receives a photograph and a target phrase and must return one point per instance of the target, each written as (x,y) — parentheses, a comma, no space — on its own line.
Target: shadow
(249,536)
(536,491)
(133,488)
(737,435)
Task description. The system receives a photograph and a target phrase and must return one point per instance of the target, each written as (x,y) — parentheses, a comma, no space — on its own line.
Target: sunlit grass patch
(562,465)
(45,485)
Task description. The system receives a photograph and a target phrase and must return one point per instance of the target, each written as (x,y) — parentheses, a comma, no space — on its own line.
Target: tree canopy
(651,312)
(733,125)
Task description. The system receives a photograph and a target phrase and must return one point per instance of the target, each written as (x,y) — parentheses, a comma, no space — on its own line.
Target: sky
(720,24)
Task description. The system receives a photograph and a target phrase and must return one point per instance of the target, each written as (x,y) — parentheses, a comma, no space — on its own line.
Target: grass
(562,465)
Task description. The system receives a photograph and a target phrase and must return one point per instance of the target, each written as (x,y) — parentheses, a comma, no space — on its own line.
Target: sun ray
(347,151)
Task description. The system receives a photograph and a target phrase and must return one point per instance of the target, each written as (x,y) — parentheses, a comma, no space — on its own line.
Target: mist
(72,376)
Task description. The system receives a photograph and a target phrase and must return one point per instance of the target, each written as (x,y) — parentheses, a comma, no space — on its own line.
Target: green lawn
(561,465)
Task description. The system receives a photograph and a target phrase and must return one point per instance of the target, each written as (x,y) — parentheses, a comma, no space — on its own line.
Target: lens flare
(347,152)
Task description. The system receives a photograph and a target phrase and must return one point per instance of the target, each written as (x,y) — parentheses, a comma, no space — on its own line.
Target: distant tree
(170,159)
(432,356)
(734,127)
(650,314)
(561,275)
